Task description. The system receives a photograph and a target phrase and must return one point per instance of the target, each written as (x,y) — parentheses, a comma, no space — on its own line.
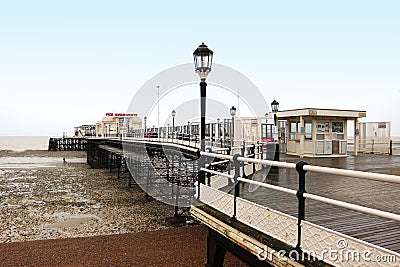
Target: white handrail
(270,186)
(354,174)
(370,211)
(214,155)
(218,162)
(268,162)
(349,173)
(217,173)
(220,149)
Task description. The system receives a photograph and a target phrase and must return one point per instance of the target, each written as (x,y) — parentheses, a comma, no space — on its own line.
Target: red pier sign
(110,114)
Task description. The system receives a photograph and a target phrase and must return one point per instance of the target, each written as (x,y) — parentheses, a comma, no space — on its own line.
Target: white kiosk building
(314,132)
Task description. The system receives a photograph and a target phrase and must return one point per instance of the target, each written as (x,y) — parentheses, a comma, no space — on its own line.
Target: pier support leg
(215,252)
(218,245)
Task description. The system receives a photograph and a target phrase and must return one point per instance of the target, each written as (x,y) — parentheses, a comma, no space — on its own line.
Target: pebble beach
(46,198)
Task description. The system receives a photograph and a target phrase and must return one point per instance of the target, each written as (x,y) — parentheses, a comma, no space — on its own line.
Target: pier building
(117,124)
(316,132)
(85,130)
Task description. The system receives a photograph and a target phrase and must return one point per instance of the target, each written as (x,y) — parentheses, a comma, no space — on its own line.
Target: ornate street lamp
(173,114)
(202,64)
(233,114)
(275,107)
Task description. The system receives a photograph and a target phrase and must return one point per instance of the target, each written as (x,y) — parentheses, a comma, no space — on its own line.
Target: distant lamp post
(173,114)
(202,64)
(218,128)
(145,125)
(275,107)
(233,114)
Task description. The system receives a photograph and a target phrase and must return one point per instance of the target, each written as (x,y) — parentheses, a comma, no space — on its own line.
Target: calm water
(22,143)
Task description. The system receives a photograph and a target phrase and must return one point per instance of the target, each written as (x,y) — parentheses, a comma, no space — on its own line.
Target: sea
(22,143)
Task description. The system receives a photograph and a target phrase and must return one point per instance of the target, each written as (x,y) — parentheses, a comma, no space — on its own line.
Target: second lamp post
(233,114)
(202,64)
(173,114)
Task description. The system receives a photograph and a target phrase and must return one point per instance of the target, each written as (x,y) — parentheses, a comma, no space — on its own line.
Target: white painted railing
(304,234)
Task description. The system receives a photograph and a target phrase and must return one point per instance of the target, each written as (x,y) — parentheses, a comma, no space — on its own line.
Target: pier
(67,144)
(298,209)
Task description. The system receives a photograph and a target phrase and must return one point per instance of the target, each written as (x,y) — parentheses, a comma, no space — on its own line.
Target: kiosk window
(308,130)
(266,131)
(337,127)
(292,130)
(323,127)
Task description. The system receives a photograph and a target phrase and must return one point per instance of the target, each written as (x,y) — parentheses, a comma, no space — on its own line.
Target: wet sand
(44,198)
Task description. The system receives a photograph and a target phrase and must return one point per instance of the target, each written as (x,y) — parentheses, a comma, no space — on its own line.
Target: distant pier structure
(67,144)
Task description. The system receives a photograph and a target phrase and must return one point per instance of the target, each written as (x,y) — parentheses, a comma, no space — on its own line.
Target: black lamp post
(275,107)
(145,126)
(218,121)
(233,114)
(173,113)
(202,65)
(117,129)
(188,129)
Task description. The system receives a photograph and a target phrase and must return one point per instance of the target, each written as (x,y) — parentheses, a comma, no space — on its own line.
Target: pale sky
(64,64)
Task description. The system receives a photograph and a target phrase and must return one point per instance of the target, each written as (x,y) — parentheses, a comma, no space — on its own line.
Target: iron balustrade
(302,168)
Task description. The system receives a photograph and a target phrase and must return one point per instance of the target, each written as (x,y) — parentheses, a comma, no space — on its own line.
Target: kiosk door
(335,146)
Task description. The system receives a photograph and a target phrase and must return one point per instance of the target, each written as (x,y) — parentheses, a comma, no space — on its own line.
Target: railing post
(229,163)
(373,144)
(236,194)
(209,150)
(200,173)
(177,200)
(243,155)
(259,149)
(301,199)
(253,152)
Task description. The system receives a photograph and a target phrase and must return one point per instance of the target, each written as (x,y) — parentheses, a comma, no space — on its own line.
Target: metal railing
(373,146)
(394,147)
(238,161)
